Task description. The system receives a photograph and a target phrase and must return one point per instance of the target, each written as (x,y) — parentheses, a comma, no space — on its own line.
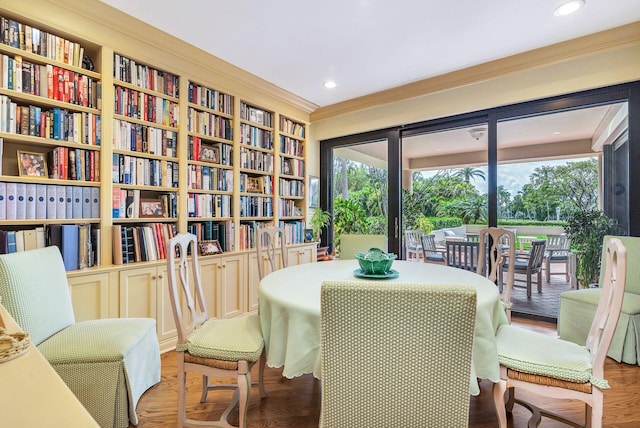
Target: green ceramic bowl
(375,261)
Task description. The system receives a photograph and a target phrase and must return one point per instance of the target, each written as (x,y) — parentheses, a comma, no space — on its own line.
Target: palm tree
(469,172)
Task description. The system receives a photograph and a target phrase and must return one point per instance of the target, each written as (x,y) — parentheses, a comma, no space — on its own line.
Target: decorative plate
(359,273)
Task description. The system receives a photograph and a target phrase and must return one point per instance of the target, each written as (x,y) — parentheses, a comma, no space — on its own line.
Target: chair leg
(539,281)
(499,389)
(182,394)
(205,388)
(529,285)
(244,387)
(262,363)
(548,269)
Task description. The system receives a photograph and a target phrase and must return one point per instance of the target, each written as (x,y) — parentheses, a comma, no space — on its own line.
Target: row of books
(293,167)
(32,39)
(291,187)
(78,243)
(205,151)
(140,138)
(256,206)
(247,233)
(55,123)
(290,127)
(127,70)
(257,137)
(125,203)
(201,177)
(208,206)
(49,81)
(256,115)
(210,98)
(143,172)
(261,184)
(213,230)
(206,123)
(143,106)
(291,146)
(30,201)
(256,160)
(294,231)
(65,163)
(141,243)
(288,208)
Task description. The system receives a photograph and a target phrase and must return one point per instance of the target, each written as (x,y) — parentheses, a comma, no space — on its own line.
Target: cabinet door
(165,324)
(254,279)
(301,254)
(233,283)
(90,296)
(138,296)
(210,271)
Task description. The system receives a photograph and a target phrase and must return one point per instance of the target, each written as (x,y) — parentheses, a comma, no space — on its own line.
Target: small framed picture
(152,208)
(308,235)
(314,191)
(209,154)
(209,247)
(253,185)
(32,164)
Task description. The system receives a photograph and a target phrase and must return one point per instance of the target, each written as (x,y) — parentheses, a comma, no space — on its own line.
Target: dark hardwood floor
(296,402)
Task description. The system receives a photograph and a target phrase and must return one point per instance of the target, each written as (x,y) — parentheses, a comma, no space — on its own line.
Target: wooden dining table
(289,308)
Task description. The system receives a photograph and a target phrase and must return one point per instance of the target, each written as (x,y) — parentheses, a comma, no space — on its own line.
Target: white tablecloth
(290,313)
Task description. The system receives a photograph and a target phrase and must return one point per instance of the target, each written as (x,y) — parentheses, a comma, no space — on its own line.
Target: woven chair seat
(550,381)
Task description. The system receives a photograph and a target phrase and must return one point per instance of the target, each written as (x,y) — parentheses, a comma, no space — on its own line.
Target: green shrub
(445,222)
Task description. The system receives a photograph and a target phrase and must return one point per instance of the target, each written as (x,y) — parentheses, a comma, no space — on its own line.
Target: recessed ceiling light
(568,7)
(330,84)
(556,133)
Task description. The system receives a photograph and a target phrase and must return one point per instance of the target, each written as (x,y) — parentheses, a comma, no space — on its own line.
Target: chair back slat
(462,255)
(184,275)
(536,254)
(270,241)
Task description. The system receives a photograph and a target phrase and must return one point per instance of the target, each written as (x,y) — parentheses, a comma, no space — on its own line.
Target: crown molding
(615,38)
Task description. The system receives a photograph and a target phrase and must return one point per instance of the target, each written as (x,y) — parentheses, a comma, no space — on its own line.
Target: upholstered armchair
(106,363)
(578,307)
(352,244)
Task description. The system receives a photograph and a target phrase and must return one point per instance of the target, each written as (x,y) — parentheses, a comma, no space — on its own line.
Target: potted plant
(586,230)
(318,220)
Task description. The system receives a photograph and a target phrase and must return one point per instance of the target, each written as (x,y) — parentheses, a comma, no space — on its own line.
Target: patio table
(289,303)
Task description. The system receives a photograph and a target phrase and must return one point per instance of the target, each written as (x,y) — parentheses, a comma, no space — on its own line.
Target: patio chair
(462,254)
(226,348)
(557,251)
(107,363)
(395,355)
(490,250)
(558,369)
(528,265)
(431,254)
(413,244)
(268,241)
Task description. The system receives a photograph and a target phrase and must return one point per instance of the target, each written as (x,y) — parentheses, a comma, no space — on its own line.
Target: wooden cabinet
(301,254)
(90,297)
(224,283)
(144,292)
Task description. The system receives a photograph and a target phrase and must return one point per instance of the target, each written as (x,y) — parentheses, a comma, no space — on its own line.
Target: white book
(12,191)
(40,237)
(61,199)
(68,203)
(86,202)
(31,201)
(41,201)
(77,202)
(19,240)
(21,201)
(3,201)
(95,202)
(52,203)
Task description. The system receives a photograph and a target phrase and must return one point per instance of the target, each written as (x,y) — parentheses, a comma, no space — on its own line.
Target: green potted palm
(318,220)
(586,230)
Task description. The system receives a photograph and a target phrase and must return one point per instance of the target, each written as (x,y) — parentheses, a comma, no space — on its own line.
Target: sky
(512,176)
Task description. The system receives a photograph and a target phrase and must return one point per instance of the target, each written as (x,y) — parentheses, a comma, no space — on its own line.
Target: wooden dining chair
(432,254)
(493,253)
(462,254)
(395,355)
(225,348)
(271,242)
(557,252)
(559,369)
(413,244)
(527,264)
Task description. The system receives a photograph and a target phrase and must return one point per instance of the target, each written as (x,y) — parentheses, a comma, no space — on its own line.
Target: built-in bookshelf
(291,178)
(50,143)
(144,167)
(257,171)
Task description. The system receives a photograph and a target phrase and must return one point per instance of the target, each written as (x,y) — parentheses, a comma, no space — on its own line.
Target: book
(31,201)
(11,205)
(3,200)
(86,202)
(21,201)
(11,241)
(30,242)
(84,245)
(41,201)
(52,203)
(77,202)
(61,201)
(69,241)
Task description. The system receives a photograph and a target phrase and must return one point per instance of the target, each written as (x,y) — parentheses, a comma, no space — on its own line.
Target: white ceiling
(369,45)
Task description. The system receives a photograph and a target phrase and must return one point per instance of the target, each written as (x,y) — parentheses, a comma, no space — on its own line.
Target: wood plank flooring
(296,402)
